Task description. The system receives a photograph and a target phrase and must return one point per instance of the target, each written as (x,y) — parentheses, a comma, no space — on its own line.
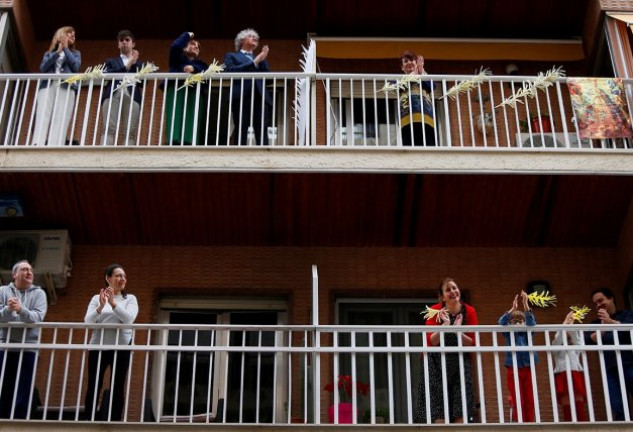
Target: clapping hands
(445,318)
(15,304)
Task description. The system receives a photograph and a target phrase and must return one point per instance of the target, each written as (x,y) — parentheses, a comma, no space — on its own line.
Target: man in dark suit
(121,107)
(251,103)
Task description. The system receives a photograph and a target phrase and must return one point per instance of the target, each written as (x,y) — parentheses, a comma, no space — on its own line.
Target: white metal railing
(265,374)
(360,114)
(101,112)
(297,109)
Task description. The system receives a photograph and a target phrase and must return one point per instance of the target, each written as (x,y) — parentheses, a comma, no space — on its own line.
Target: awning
(625,17)
(450,49)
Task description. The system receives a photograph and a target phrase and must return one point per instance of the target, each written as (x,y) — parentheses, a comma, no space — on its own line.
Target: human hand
(134,56)
(62,42)
(15,304)
(188,69)
(420,65)
(262,55)
(444,317)
(515,303)
(102,298)
(458,319)
(569,319)
(604,317)
(526,302)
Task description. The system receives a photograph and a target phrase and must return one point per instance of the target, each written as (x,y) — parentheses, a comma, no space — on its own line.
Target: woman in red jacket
(451,312)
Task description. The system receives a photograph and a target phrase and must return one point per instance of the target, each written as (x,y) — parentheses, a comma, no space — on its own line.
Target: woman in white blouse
(111,306)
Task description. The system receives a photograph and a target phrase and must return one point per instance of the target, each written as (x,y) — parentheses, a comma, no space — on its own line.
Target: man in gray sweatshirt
(20,301)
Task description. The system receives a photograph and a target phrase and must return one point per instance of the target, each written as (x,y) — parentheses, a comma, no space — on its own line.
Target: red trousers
(525,394)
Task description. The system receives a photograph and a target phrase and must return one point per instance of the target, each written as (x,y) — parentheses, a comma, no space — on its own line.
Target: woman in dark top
(180,108)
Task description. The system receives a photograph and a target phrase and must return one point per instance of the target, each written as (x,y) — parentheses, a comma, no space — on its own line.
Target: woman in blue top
(55,99)
(525,393)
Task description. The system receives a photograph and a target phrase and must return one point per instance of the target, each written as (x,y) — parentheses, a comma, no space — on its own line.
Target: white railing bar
(408,379)
(480,382)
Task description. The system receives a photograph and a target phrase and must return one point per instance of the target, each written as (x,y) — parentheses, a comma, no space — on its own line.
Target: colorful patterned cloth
(600,107)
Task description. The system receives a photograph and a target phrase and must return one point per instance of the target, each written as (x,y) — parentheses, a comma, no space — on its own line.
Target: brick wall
(491,276)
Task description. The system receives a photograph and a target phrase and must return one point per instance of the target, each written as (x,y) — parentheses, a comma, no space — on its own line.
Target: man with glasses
(121,104)
(20,302)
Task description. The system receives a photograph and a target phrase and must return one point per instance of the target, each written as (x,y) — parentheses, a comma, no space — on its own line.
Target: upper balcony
(318,122)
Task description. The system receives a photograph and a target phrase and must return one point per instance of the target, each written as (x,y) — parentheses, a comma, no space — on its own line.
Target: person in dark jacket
(604,300)
(121,104)
(251,102)
(183,123)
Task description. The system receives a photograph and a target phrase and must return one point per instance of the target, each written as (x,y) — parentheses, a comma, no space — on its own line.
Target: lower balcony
(232,377)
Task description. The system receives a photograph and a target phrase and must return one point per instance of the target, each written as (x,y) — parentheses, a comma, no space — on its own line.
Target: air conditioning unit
(47,251)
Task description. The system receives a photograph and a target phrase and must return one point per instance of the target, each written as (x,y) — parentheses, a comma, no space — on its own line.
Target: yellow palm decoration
(92,72)
(431,313)
(580,312)
(542,299)
(214,68)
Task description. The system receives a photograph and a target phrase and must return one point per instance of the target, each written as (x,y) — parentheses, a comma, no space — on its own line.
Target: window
(383,314)
(218,383)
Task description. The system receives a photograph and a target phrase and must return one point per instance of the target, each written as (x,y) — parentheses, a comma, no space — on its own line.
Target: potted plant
(541,123)
(537,123)
(381,416)
(344,388)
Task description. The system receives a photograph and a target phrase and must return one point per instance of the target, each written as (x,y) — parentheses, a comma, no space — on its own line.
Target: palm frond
(199,78)
(542,299)
(93,72)
(467,85)
(131,80)
(430,313)
(580,313)
(531,88)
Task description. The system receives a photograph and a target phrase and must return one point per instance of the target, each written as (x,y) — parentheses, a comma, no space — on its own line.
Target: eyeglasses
(516,322)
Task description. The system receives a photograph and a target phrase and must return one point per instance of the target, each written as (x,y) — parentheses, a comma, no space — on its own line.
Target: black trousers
(117,361)
(242,119)
(11,381)
(419,135)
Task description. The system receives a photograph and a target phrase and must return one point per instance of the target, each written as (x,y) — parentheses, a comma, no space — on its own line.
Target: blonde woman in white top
(56,99)
(575,367)
(111,306)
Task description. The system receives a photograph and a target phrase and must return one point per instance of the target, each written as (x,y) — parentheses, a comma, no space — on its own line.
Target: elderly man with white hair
(251,103)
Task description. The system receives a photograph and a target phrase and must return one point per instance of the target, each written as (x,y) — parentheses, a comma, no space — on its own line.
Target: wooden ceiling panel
(586,209)
(48,201)
(472,210)
(334,210)
(107,206)
(218,209)
(290,19)
(294,209)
